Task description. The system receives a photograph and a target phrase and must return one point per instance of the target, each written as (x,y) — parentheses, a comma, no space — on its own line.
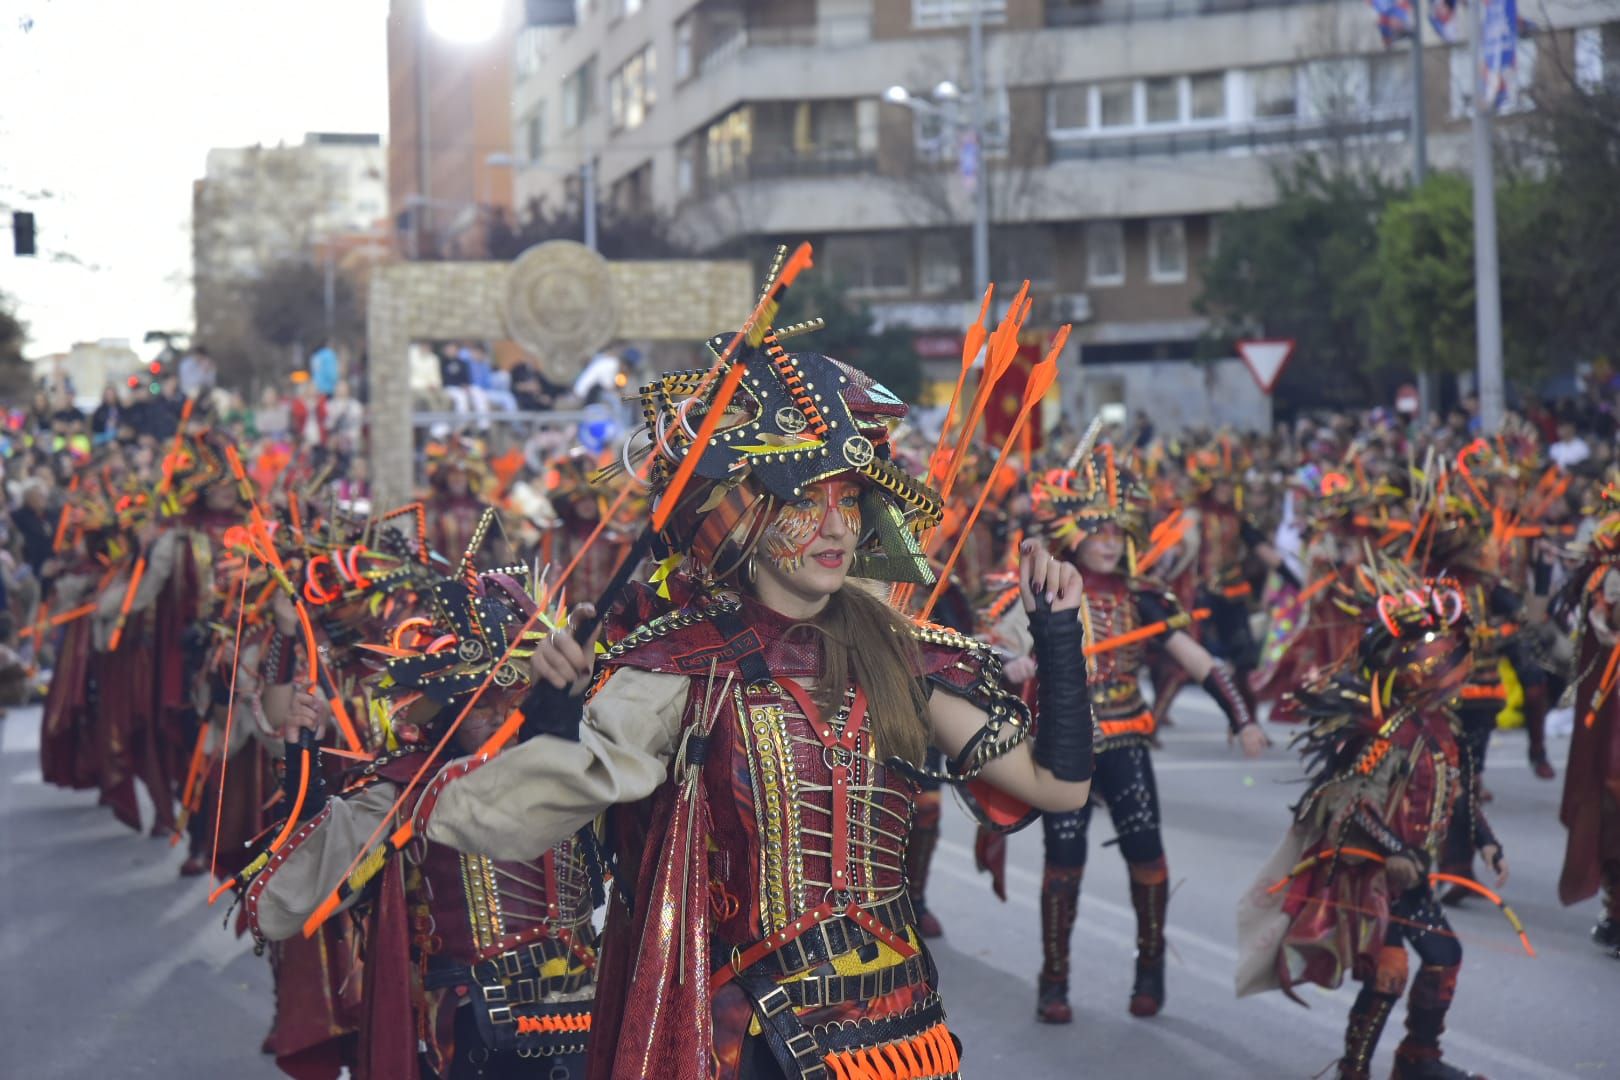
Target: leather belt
(819,991)
(825,940)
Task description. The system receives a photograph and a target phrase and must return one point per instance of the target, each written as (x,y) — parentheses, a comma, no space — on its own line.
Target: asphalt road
(117,968)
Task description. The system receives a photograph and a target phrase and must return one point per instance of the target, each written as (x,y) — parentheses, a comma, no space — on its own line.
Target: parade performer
(1094,521)
(1350,887)
(754,733)
(1227,538)
(489,962)
(1591,803)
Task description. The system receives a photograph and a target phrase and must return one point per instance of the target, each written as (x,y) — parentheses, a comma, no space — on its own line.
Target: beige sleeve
(537,794)
(318,865)
(1010,636)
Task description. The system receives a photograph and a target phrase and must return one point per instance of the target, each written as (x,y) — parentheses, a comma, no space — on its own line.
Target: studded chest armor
(1220,547)
(1116,690)
(804,814)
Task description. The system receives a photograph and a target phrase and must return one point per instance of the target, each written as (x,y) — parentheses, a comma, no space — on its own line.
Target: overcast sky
(107,111)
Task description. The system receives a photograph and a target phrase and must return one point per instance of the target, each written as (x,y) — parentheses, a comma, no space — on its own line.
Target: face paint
(788,539)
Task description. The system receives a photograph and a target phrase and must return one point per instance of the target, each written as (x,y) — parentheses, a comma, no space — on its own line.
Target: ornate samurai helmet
(1415,639)
(796,419)
(1071,504)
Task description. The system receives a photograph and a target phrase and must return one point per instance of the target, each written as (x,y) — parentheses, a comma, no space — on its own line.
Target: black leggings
(1478,720)
(1417,919)
(1123,778)
(1227,634)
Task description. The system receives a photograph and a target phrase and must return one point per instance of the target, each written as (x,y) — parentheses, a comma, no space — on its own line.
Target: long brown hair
(867,642)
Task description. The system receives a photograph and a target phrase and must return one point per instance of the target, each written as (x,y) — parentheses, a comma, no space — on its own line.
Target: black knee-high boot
(919,854)
(1060,903)
(1367,1018)
(1418,1057)
(1150,896)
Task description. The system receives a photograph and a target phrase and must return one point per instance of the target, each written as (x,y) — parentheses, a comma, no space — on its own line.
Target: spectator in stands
(324,369)
(107,418)
(1570,449)
(272,419)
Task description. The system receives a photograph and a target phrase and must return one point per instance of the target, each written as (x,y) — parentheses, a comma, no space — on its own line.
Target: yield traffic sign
(1266,359)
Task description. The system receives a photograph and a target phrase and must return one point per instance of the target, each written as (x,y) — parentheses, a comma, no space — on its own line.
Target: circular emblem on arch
(559,304)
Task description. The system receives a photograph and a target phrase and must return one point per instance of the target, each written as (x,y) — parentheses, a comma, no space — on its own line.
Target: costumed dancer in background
(1230,545)
(1349,890)
(488,962)
(1094,521)
(1455,543)
(754,733)
(1591,803)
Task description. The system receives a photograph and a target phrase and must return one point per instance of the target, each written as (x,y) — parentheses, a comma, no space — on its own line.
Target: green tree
(1300,269)
(1423,312)
(288,305)
(850,335)
(16,375)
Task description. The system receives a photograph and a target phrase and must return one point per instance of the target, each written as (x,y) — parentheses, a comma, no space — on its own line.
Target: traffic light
(155,388)
(134,381)
(155,367)
(22,232)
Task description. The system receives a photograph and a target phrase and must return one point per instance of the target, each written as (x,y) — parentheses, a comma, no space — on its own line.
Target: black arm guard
(1063,737)
(1384,838)
(1222,686)
(550,711)
(293,771)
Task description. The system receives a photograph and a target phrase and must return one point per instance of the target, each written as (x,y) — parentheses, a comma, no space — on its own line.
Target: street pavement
(117,968)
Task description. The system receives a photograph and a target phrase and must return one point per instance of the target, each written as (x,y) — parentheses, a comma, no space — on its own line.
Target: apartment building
(1117,133)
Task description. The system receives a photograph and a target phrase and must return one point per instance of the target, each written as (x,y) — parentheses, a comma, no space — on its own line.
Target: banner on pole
(1498,51)
(1443,17)
(1395,20)
(1265,359)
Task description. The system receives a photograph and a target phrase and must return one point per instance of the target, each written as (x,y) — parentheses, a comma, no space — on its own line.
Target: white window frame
(1139,124)
(1157,274)
(932,14)
(685,45)
(1116,231)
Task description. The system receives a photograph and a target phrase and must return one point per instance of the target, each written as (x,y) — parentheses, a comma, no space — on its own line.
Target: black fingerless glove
(1063,742)
(292,775)
(550,711)
(1221,684)
(1154,608)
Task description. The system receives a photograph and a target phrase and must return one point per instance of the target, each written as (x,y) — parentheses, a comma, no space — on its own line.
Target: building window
(1207,96)
(688,152)
(931,13)
(1068,109)
(1390,81)
(631,91)
(1335,89)
(579,94)
(870,262)
(684,65)
(730,142)
(536,133)
(1520,82)
(1167,250)
(618,9)
(1024,254)
(1105,253)
(939,264)
(1163,99)
(1274,92)
(1116,105)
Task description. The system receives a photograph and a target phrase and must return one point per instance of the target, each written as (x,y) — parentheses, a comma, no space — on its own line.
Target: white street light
(947,91)
(897,95)
(465,22)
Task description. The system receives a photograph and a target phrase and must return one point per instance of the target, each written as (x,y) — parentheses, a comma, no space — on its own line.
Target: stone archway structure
(559,300)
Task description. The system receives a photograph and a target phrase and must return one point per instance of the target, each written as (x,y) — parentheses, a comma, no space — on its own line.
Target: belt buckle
(493,994)
(793,957)
(502,1015)
(774,1003)
(511,964)
(803,1045)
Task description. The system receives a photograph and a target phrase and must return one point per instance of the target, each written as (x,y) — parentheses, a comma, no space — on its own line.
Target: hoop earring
(750,570)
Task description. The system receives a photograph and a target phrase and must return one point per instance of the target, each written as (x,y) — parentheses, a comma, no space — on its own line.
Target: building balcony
(1069,13)
(791,165)
(732,41)
(1250,138)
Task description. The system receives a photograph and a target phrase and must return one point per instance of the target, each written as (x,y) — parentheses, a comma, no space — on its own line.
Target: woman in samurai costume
(475,968)
(1591,805)
(1093,521)
(1349,889)
(754,730)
